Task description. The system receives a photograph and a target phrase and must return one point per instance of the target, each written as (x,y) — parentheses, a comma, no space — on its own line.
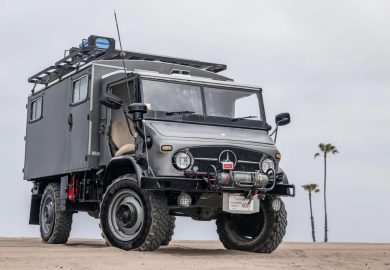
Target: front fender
(119,166)
(285,179)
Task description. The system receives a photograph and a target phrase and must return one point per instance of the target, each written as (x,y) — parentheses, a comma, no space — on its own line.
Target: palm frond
(311,187)
(322,147)
(316,155)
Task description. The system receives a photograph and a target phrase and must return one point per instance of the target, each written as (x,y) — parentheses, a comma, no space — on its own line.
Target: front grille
(204,156)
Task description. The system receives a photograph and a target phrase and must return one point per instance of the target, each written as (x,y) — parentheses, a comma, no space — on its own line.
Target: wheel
(55,225)
(132,218)
(260,232)
(168,231)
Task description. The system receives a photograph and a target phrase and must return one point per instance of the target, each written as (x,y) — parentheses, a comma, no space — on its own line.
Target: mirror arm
(140,131)
(275,132)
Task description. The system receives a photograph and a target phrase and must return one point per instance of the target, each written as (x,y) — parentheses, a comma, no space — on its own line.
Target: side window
(36,109)
(80,90)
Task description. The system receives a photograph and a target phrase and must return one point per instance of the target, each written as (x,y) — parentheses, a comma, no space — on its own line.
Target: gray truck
(137,139)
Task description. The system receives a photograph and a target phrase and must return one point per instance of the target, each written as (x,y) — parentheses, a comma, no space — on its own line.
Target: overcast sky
(325,62)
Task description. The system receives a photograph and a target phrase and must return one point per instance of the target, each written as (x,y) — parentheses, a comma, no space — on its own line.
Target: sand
(31,253)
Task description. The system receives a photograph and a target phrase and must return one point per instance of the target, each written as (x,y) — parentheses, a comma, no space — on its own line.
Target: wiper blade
(180,112)
(244,117)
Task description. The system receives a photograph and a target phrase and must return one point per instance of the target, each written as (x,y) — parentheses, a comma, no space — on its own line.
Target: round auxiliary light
(182,160)
(276,204)
(267,164)
(184,200)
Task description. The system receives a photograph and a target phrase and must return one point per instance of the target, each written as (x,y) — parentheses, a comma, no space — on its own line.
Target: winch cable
(208,178)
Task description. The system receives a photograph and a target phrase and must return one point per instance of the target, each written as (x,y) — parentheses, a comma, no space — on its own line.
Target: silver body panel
(185,135)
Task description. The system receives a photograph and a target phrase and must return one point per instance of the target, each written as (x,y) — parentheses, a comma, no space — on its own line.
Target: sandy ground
(30,253)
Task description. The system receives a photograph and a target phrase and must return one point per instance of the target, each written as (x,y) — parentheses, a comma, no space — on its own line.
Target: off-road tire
(94,214)
(62,226)
(169,230)
(266,242)
(156,216)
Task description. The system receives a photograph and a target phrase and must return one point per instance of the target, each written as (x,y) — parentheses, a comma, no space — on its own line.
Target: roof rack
(101,48)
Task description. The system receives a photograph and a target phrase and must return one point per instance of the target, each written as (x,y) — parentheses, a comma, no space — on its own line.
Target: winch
(242,179)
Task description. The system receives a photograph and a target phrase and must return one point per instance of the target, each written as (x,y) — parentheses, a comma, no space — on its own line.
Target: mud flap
(34,210)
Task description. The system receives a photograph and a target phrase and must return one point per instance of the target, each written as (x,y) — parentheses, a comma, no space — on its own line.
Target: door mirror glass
(282,119)
(111,101)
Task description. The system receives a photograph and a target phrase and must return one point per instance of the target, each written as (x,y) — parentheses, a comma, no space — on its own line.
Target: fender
(119,166)
(285,179)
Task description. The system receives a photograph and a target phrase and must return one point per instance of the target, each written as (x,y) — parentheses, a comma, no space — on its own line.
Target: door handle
(70,122)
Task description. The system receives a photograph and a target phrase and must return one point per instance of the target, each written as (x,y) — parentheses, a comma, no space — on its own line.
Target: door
(78,123)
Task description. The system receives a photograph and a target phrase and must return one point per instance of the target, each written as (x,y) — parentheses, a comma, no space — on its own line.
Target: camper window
(80,90)
(36,109)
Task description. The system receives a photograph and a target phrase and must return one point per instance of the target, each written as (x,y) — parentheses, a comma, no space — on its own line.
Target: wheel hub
(47,218)
(126,215)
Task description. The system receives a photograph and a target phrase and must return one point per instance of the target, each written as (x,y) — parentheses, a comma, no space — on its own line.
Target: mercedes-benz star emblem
(228,155)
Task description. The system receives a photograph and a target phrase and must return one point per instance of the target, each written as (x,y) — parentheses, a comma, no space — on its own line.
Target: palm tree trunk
(312,219)
(326,213)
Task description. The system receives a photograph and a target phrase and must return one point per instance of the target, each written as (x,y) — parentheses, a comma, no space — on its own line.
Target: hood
(197,131)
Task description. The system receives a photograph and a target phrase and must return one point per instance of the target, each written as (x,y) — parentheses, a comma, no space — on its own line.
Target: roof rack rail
(102,48)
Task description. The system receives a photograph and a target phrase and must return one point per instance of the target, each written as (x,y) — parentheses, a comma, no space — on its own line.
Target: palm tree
(311,188)
(326,149)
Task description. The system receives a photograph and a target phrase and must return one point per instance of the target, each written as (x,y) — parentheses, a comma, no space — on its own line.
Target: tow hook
(251,194)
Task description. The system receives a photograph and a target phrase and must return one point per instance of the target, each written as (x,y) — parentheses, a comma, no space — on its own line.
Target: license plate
(237,203)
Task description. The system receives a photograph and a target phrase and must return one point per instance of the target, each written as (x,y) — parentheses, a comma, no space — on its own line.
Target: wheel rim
(126,215)
(47,216)
(247,227)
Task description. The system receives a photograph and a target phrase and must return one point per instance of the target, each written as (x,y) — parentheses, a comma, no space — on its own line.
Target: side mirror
(111,101)
(282,119)
(138,110)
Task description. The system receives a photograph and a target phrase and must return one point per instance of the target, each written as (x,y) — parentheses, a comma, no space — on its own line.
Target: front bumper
(195,185)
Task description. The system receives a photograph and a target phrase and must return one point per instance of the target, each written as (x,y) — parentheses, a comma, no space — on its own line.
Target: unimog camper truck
(137,139)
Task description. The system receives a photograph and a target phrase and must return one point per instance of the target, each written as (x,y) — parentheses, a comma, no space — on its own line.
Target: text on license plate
(240,203)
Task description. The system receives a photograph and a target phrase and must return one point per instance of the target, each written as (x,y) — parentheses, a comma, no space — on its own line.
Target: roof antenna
(122,54)
(133,132)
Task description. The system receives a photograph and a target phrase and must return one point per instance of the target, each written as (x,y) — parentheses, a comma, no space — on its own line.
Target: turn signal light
(278,156)
(166,148)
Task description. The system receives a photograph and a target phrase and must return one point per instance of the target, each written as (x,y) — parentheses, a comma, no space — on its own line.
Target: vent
(181,72)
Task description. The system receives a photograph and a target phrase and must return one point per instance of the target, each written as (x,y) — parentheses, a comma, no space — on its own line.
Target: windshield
(232,103)
(185,102)
(172,97)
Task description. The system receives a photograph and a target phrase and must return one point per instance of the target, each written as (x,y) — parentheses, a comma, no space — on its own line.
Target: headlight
(182,160)
(267,164)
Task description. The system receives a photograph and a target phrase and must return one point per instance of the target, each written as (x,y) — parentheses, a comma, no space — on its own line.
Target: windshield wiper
(180,112)
(244,117)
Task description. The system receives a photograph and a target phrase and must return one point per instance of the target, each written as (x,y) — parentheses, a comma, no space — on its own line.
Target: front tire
(132,218)
(260,232)
(55,225)
(169,230)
